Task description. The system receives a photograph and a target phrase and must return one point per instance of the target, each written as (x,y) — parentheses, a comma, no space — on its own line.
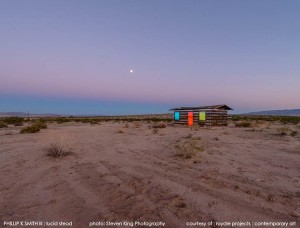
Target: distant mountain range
(286,112)
(24,114)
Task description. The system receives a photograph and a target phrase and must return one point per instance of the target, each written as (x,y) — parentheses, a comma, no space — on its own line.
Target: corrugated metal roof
(221,107)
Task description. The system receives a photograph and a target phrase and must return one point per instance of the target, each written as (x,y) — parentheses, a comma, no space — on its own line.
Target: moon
(131,71)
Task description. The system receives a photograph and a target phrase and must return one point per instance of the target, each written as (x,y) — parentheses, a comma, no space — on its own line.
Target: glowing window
(190,118)
(202,116)
(176,115)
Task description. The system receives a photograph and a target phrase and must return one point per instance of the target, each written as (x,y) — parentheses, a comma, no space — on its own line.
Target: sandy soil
(132,174)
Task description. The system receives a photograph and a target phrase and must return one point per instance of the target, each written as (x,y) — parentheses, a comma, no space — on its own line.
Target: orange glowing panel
(190,118)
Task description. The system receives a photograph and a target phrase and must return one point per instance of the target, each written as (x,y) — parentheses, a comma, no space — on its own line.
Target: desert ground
(127,171)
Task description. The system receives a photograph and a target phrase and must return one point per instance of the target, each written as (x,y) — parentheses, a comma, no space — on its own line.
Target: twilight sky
(74,57)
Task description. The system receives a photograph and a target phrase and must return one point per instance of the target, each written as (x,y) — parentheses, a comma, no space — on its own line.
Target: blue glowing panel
(176,115)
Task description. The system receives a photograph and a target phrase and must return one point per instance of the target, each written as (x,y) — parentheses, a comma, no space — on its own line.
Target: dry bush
(8,132)
(294,133)
(93,122)
(283,131)
(14,120)
(155,130)
(189,136)
(120,131)
(196,127)
(30,129)
(59,144)
(35,127)
(2,125)
(40,124)
(137,125)
(159,125)
(126,125)
(188,148)
(243,124)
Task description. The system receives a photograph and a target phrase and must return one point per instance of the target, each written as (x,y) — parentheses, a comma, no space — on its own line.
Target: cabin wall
(213,117)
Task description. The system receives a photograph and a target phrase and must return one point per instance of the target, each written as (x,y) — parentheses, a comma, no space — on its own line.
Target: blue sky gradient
(74,57)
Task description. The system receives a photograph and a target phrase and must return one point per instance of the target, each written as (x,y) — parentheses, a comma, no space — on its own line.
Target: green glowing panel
(202,116)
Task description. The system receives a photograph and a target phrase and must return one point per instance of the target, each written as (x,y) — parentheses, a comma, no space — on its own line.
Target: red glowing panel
(190,119)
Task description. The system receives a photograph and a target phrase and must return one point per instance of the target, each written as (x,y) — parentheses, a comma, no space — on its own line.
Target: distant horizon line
(48,114)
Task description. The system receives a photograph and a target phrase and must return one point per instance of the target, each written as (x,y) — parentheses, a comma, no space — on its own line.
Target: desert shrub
(86,120)
(35,127)
(93,122)
(282,119)
(159,125)
(8,132)
(40,124)
(170,124)
(2,125)
(59,145)
(27,120)
(126,125)
(120,131)
(283,131)
(60,120)
(30,129)
(14,120)
(137,125)
(155,130)
(294,133)
(243,124)
(189,136)
(188,148)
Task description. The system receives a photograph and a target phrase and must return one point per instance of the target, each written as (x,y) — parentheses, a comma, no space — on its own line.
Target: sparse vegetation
(189,136)
(137,125)
(188,148)
(159,125)
(2,125)
(283,131)
(40,123)
(120,131)
(155,130)
(93,122)
(59,145)
(294,133)
(129,118)
(35,127)
(8,133)
(14,120)
(243,124)
(60,120)
(30,129)
(282,119)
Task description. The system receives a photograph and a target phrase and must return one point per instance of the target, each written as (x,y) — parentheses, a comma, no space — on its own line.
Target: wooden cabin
(215,115)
